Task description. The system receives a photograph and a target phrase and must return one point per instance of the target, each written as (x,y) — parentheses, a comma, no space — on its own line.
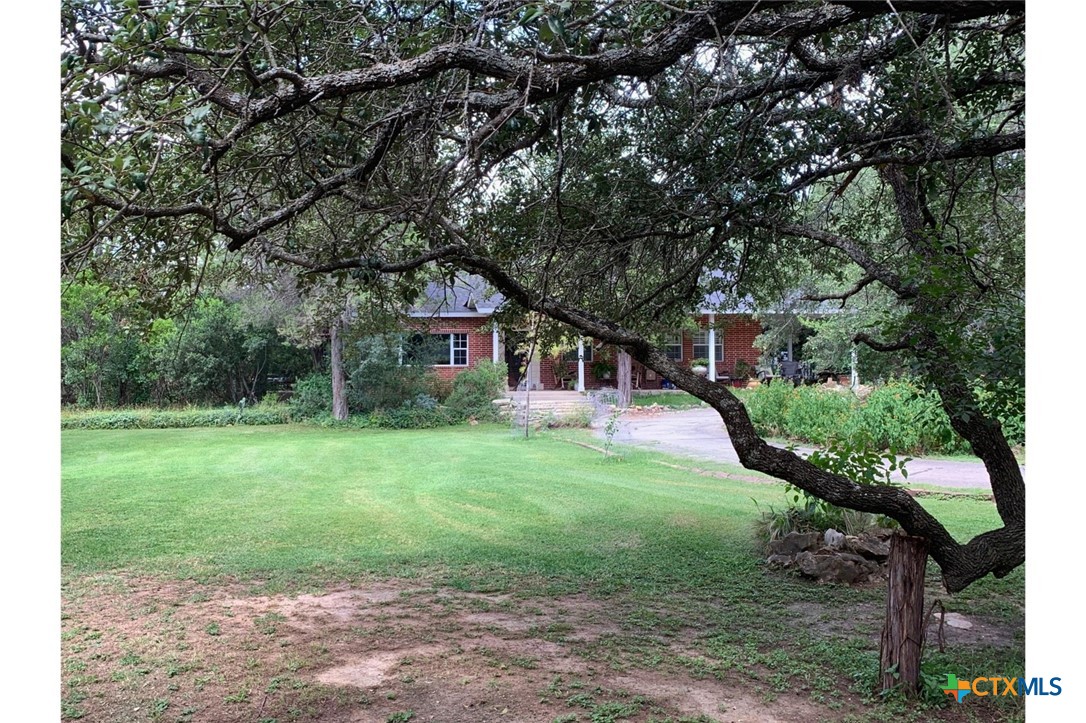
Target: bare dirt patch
(960,630)
(138,650)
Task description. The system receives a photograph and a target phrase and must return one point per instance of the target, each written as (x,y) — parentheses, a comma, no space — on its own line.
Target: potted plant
(700,366)
(603,369)
(745,373)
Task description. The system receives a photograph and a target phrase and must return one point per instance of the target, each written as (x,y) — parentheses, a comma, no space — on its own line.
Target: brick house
(459,318)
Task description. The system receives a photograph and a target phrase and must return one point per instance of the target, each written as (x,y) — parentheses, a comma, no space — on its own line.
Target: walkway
(700,433)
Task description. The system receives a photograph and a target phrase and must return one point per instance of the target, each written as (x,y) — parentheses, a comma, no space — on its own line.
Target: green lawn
(281,499)
(476,508)
(675,400)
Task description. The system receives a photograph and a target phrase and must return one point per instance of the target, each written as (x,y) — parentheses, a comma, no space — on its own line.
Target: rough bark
(339,379)
(903,630)
(624,379)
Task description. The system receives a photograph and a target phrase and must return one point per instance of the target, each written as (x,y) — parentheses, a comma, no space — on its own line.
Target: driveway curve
(700,433)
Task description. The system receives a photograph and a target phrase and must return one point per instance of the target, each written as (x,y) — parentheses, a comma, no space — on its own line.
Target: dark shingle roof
(467,295)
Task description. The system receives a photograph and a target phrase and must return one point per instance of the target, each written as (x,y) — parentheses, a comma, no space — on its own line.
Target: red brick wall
(590,380)
(739,332)
(480,340)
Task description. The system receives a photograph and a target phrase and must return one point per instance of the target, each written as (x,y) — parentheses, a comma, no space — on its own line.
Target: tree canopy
(610,165)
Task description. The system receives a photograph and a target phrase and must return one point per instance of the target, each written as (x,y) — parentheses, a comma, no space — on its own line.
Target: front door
(515,357)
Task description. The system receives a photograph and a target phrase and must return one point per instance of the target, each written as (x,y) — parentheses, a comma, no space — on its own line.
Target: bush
(767,406)
(174,419)
(312,396)
(901,416)
(380,381)
(438,387)
(807,414)
(815,415)
(474,390)
(407,417)
(897,416)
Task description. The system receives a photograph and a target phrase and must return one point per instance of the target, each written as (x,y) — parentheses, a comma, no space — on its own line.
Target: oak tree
(609,165)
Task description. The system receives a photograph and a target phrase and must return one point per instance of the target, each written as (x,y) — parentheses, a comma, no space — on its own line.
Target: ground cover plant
(294,573)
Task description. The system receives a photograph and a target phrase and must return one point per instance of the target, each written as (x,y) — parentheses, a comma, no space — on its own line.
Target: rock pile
(832,556)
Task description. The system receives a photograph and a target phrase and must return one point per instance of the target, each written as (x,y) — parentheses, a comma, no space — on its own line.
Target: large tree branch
(996,552)
(843,296)
(852,248)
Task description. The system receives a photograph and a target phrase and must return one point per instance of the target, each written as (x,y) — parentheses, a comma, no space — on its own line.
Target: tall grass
(897,416)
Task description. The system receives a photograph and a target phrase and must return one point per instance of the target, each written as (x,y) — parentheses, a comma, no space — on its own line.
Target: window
(701,345)
(436,350)
(571,355)
(458,348)
(673,347)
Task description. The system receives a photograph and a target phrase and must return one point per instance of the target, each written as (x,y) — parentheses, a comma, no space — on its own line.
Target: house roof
(470,295)
(467,296)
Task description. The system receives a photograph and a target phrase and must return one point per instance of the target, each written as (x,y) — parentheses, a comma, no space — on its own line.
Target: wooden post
(903,630)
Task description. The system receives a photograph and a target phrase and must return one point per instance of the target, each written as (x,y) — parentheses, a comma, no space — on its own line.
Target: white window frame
(674,340)
(454,347)
(571,355)
(703,334)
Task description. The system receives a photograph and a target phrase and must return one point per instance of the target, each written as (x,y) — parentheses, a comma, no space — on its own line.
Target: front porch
(547,403)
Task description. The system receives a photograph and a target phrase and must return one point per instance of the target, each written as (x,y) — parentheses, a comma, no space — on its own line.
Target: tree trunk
(625,383)
(339,380)
(903,630)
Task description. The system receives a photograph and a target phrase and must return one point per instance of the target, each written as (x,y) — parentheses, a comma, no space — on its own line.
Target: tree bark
(903,630)
(339,379)
(624,379)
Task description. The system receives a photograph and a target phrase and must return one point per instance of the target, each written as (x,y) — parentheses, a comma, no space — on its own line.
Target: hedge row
(403,418)
(167,419)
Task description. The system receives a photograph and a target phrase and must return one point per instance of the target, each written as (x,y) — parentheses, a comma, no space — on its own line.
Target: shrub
(380,381)
(767,406)
(173,419)
(312,396)
(438,387)
(407,417)
(474,390)
(808,414)
(579,419)
(898,415)
(901,416)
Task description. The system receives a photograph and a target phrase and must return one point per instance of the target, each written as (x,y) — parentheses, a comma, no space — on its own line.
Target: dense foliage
(899,416)
(174,418)
(114,353)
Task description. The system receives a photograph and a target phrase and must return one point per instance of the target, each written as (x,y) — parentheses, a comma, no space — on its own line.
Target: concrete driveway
(700,433)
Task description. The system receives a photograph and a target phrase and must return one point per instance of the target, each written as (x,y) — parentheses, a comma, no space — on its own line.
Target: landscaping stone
(795,542)
(955,620)
(869,547)
(835,567)
(832,557)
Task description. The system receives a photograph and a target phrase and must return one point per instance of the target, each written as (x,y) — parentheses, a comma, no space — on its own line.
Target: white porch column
(580,364)
(855,380)
(790,347)
(494,342)
(712,347)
